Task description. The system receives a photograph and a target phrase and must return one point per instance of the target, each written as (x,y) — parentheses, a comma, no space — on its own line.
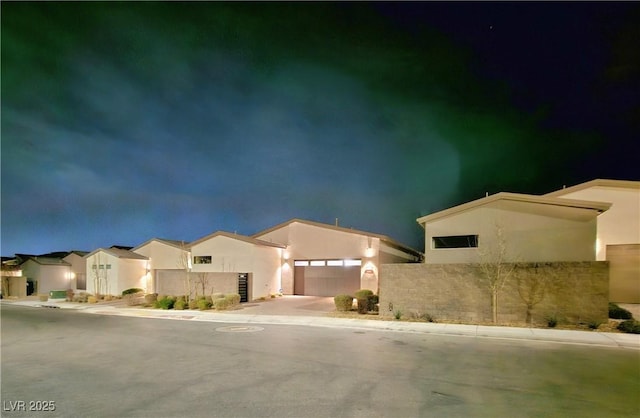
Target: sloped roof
(48,261)
(545,201)
(119,253)
(174,243)
(384,238)
(239,237)
(626,184)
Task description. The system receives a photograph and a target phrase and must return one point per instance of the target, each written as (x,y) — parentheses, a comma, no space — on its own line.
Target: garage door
(326,280)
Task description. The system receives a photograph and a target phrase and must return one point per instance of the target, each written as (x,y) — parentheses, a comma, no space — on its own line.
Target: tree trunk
(494,306)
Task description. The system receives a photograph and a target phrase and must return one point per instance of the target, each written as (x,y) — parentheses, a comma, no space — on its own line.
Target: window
(300,263)
(108,266)
(456,241)
(352,262)
(335,263)
(93,267)
(202,259)
(101,267)
(318,263)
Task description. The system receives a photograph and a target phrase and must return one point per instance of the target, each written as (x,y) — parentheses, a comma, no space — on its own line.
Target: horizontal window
(352,262)
(108,266)
(202,259)
(456,241)
(335,263)
(300,263)
(318,263)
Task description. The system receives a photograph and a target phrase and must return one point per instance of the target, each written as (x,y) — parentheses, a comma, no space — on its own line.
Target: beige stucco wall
(78,267)
(624,283)
(163,256)
(575,292)
(528,236)
(264,263)
(124,274)
(621,223)
(48,277)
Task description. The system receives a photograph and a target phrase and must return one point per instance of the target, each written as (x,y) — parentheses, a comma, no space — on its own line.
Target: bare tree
(184,263)
(202,281)
(100,275)
(495,267)
(532,287)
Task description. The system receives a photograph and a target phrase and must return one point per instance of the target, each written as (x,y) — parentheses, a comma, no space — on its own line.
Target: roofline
(383,238)
(544,200)
(625,184)
(110,252)
(245,238)
(164,241)
(60,263)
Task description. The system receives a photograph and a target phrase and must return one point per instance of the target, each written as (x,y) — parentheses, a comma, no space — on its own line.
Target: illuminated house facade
(112,270)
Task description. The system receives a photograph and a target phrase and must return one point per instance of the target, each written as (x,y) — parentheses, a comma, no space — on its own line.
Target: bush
(343,302)
(233,299)
(132,291)
(166,302)
(221,304)
(204,304)
(397,314)
(616,312)
(82,297)
(193,304)
(373,301)
(630,326)
(363,296)
(43,298)
(217,296)
(69,295)
(92,299)
(180,304)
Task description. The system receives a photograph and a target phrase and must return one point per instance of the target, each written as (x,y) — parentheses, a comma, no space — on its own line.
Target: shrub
(69,295)
(204,304)
(82,297)
(166,302)
(630,326)
(150,298)
(180,304)
(363,296)
(372,302)
(397,314)
(217,296)
(92,299)
(343,302)
(616,312)
(108,298)
(193,304)
(221,304)
(132,291)
(43,298)
(552,321)
(233,299)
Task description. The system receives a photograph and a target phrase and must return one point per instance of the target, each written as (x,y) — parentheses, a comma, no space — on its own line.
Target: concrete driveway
(288,305)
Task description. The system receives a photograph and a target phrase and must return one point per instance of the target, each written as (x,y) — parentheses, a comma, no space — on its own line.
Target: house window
(93,267)
(101,267)
(301,263)
(108,266)
(318,263)
(334,263)
(202,259)
(455,241)
(352,262)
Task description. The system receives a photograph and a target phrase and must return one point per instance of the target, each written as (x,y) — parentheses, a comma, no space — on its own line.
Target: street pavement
(312,311)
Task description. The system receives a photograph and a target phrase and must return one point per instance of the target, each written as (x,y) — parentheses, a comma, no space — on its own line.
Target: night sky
(127,121)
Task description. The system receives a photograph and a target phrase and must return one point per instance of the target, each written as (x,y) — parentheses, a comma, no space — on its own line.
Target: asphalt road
(107,366)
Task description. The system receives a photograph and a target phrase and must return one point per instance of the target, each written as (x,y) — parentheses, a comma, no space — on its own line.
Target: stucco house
(618,232)
(110,271)
(45,274)
(325,260)
(528,228)
(169,260)
(77,270)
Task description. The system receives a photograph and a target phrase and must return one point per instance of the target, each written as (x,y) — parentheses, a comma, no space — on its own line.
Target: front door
(243,287)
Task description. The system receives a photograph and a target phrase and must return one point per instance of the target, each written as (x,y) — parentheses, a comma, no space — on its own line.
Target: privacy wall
(571,292)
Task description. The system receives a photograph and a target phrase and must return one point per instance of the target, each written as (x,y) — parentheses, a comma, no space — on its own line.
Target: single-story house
(325,260)
(45,274)
(77,270)
(169,263)
(110,271)
(512,227)
(618,232)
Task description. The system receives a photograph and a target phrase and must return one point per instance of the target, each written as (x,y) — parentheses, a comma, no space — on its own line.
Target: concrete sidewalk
(593,338)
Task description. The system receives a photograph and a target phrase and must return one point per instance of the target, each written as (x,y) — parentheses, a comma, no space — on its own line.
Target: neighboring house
(45,274)
(618,235)
(169,262)
(529,228)
(13,283)
(230,263)
(621,223)
(325,260)
(112,270)
(77,270)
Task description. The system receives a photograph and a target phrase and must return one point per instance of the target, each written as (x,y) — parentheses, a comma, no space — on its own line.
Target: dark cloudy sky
(127,121)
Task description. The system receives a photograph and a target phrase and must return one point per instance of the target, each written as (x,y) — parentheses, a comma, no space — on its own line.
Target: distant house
(45,274)
(77,270)
(12,282)
(325,260)
(112,270)
(530,228)
(618,232)
(169,262)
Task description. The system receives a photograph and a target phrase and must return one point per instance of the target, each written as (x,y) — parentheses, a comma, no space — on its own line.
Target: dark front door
(243,287)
